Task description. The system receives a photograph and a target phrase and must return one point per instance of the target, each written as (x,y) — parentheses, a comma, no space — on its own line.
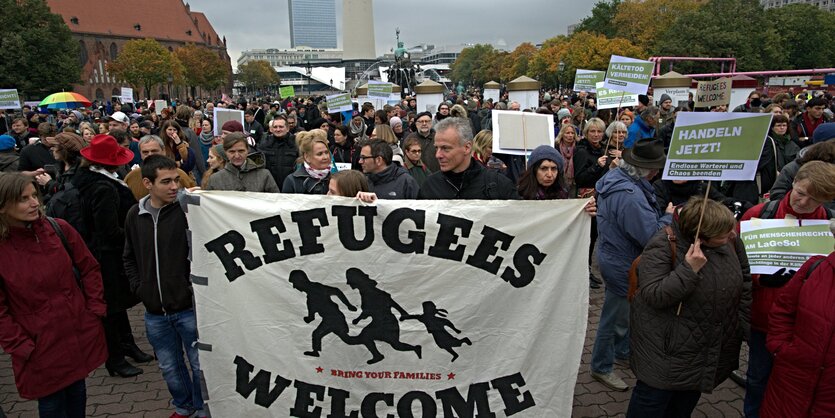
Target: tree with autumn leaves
(146,63)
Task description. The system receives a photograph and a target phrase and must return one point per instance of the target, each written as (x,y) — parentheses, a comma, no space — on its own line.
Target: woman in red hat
(105,201)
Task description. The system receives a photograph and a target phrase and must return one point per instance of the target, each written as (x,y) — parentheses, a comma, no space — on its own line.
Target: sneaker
(611,381)
(738,376)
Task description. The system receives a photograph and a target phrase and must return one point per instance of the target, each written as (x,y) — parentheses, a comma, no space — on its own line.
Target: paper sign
(628,74)
(287,91)
(677,95)
(159,105)
(716,146)
(518,133)
(378,89)
(9,99)
(587,80)
(772,244)
(127,95)
(339,102)
(343,166)
(222,116)
(323,303)
(611,99)
(713,93)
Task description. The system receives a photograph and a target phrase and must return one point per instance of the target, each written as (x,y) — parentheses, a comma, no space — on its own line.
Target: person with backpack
(690,311)
(50,315)
(813,186)
(800,336)
(105,201)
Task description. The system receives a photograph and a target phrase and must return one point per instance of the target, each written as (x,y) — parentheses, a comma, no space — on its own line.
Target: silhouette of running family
(375,304)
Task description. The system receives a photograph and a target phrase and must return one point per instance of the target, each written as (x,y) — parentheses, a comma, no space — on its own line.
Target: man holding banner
(813,186)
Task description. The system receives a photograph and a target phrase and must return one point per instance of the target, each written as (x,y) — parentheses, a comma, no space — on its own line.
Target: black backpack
(66,204)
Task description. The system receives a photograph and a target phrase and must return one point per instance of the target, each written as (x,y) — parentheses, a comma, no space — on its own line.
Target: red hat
(232,126)
(104,150)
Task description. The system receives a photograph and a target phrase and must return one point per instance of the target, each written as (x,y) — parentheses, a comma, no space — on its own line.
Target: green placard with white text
(772,244)
(287,92)
(628,74)
(716,146)
(339,103)
(586,80)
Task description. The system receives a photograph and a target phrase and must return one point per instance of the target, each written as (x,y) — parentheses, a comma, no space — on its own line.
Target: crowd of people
(111,180)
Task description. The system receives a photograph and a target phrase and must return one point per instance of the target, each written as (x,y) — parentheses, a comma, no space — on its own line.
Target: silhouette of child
(435,321)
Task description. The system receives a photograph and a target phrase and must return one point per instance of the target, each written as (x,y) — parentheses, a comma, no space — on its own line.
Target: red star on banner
(319,370)
(450,376)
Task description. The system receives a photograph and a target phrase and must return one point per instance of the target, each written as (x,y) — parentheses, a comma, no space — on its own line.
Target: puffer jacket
(280,154)
(250,177)
(802,338)
(697,347)
(393,183)
(586,169)
(627,218)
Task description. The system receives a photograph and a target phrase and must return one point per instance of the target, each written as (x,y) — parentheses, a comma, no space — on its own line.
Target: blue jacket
(626,220)
(638,130)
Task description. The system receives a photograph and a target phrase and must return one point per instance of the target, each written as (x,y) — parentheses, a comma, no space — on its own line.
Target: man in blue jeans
(156,262)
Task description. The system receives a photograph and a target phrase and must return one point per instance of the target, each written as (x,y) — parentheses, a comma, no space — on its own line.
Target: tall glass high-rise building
(313,23)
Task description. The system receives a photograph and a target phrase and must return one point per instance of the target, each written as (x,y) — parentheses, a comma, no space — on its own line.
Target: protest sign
(716,146)
(587,80)
(518,133)
(339,102)
(677,95)
(159,105)
(713,93)
(628,74)
(379,89)
(127,95)
(287,92)
(772,244)
(610,99)
(9,99)
(222,116)
(406,308)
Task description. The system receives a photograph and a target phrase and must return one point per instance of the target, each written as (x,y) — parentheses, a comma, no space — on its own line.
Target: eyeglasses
(424,121)
(365,157)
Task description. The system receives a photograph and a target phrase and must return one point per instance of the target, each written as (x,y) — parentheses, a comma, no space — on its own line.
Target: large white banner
(318,306)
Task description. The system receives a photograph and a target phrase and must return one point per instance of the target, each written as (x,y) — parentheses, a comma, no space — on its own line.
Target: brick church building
(102,28)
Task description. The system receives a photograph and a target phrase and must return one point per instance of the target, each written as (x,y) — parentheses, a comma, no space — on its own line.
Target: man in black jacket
(280,150)
(158,269)
(387,180)
(461,176)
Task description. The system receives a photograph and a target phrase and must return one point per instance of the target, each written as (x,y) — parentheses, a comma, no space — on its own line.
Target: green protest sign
(772,244)
(377,89)
(628,74)
(339,103)
(287,92)
(716,146)
(610,99)
(9,99)
(587,80)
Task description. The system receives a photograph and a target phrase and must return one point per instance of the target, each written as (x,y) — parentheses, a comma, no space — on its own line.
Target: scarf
(206,138)
(568,155)
(316,174)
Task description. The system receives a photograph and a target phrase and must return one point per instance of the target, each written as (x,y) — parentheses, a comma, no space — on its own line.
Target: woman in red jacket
(800,334)
(50,315)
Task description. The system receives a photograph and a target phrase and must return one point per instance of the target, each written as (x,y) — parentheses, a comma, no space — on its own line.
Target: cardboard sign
(222,116)
(628,74)
(379,89)
(716,146)
(713,93)
(611,99)
(159,105)
(339,103)
(9,99)
(127,95)
(287,92)
(772,244)
(441,307)
(518,133)
(587,80)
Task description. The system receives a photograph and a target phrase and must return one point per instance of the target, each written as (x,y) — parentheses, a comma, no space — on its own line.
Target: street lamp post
(309,72)
(560,67)
(170,80)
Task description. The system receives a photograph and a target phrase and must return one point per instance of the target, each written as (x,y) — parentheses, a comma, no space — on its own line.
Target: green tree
(145,63)
(201,68)
(601,19)
(257,75)
(725,28)
(476,65)
(37,53)
(518,61)
(807,35)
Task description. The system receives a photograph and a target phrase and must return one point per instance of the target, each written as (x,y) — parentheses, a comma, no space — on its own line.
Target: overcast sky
(261,24)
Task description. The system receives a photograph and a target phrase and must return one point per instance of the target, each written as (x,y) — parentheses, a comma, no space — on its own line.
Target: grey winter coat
(8,161)
(250,177)
(697,348)
(394,182)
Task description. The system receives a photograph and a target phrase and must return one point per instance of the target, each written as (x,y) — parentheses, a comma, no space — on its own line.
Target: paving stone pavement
(146,395)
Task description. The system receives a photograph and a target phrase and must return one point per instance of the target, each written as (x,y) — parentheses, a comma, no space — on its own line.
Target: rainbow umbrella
(65,100)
